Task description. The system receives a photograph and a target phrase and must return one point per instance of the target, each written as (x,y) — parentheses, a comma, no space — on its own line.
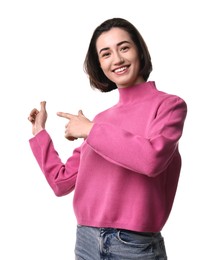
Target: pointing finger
(64,115)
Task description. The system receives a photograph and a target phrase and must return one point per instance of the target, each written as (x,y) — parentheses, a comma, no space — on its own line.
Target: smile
(120,69)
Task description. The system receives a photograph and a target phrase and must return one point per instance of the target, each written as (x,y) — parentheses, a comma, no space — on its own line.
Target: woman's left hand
(78,126)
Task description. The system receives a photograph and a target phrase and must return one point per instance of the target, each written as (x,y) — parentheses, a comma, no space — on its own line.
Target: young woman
(125,173)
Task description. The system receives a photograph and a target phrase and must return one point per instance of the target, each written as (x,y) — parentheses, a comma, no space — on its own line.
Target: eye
(105,55)
(124,48)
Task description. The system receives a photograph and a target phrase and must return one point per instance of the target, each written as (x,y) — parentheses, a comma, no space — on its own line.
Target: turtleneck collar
(130,94)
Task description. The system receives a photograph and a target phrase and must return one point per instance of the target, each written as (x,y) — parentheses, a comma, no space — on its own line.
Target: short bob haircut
(92,65)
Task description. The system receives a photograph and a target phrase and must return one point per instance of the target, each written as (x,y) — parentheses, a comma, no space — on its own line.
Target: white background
(42,48)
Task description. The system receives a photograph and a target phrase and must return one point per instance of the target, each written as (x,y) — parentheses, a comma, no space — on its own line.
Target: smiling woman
(125,173)
(103,46)
(119,61)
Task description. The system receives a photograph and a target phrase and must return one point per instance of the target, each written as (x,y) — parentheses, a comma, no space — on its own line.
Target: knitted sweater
(125,174)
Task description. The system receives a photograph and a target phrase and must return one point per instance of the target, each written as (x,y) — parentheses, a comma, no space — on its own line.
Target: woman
(125,173)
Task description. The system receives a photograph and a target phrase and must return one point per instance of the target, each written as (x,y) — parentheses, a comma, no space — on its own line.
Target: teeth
(121,69)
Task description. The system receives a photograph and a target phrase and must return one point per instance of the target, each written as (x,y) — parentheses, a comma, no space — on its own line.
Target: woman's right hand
(38,118)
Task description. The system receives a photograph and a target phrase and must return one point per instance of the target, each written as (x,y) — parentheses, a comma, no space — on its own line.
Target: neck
(137,82)
(130,94)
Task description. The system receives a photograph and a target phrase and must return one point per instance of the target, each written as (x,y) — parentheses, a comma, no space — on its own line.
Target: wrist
(89,128)
(37,130)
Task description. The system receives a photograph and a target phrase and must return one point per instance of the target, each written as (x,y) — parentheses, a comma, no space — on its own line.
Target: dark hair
(92,67)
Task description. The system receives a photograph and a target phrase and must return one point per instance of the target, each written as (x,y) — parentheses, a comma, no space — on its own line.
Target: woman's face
(118,57)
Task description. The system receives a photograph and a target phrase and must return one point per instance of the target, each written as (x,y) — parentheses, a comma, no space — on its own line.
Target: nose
(118,59)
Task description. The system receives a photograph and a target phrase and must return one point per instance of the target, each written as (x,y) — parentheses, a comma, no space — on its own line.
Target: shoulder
(167,97)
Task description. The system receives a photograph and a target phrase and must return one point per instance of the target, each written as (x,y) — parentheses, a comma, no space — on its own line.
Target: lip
(121,69)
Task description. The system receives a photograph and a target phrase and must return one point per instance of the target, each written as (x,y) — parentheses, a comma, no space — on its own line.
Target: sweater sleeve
(150,154)
(61,177)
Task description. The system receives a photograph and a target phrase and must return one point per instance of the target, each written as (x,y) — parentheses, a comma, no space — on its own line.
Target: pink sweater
(125,174)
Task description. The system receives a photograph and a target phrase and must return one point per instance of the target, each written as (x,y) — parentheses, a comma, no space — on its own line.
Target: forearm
(61,177)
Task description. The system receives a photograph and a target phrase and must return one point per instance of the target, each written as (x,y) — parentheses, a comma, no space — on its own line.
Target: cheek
(137,65)
(104,66)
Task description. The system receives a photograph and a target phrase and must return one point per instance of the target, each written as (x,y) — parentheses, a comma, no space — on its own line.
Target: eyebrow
(118,44)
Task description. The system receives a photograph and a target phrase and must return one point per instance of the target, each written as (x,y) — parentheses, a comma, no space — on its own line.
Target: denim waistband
(147,234)
(140,233)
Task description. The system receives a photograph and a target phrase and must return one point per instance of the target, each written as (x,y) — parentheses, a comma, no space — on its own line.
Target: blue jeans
(117,244)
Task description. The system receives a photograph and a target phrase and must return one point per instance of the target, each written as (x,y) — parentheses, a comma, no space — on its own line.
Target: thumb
(80,113)
(43,105)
